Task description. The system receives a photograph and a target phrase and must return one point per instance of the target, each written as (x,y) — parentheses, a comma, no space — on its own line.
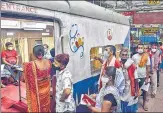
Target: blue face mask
(106,55)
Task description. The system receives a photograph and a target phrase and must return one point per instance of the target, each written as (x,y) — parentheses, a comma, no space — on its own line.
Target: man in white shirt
(64,85)
(142,61)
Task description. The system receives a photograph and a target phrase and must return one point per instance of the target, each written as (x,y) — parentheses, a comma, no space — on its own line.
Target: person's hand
(155,67)
(88,104)
(151,72)
(146,80)
(113,108)
(93,96)
(136,94)
(96,58)
(12,66)
(136,97)
(61,99)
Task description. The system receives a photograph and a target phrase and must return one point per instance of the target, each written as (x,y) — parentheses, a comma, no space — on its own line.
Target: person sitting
(108,99)
(10,59)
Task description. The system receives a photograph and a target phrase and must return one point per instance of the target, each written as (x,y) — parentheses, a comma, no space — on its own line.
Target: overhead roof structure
(82,8)
(130,5)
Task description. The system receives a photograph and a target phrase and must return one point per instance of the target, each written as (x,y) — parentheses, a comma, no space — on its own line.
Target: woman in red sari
(37,78)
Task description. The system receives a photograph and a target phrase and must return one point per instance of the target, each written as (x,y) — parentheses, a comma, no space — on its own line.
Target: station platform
(154,104)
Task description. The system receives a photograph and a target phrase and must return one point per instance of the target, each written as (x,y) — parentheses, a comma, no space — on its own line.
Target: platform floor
(10,96)
(154,104)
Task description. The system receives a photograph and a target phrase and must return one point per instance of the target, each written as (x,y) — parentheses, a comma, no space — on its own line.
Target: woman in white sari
(108,99)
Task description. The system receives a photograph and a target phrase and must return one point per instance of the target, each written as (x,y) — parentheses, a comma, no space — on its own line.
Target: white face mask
(140,51)
(153,50)
(106,55)
(104,80)
(10,48)
(45,50)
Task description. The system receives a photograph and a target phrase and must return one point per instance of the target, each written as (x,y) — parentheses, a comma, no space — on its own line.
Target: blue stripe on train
(83,86)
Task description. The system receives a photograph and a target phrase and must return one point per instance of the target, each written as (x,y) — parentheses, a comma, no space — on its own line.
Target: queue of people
(119,85)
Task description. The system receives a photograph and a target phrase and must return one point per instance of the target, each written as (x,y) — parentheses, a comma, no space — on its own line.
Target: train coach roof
(82,8)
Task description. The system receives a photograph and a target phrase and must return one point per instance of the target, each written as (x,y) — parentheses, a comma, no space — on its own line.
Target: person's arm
(67,85)
(106,106)
(65,94)
(160,59)
(107,103)
(97,58)
(5,62)
(17,60)
(3,56)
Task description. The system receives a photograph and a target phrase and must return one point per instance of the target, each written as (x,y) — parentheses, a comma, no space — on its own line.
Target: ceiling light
(30,29)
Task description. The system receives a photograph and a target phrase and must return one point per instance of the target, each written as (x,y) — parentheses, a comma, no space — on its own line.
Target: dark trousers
(12,72)
(158,74)
(83,109)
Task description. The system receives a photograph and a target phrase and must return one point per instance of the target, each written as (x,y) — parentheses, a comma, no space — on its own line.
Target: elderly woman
(108,99)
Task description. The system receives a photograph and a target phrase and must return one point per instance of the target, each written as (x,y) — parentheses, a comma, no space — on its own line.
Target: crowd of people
(122,80)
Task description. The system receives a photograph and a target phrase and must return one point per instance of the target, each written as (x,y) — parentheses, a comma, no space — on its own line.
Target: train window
(95,64)
(98,52)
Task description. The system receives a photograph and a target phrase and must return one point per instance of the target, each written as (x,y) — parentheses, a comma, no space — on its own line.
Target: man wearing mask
(142,62)
(64,85)
(129,98)
(110,60)
(155,59)
(47,54)
(10,59)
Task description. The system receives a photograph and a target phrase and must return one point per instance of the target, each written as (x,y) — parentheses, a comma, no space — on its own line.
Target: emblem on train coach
(109,34)
(76,40)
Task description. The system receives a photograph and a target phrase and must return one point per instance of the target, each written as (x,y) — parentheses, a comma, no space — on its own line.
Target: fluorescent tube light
(33,29)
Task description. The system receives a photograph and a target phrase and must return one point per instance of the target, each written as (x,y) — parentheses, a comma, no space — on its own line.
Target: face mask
(106,55)
(123,60)
(140,51)
(154,50)
(40,57)
(45,50)
(57,68)
(10,48)
(104,80)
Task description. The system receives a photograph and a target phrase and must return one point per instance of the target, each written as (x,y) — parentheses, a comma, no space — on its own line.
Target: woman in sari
(37,79)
